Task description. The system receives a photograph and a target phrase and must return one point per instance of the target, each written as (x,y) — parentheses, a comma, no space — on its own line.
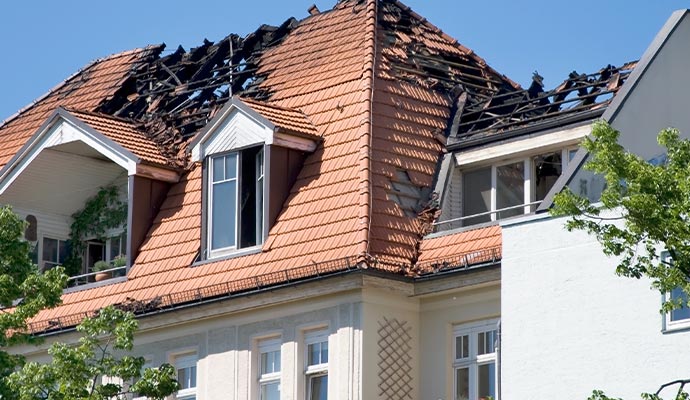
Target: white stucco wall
(570,325)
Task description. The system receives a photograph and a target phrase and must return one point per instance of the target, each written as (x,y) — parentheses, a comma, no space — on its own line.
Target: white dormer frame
(235,129)
(62,127)
(238,126)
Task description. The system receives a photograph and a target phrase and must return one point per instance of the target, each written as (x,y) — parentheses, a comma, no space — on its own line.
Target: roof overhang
(62,128)
(238,126)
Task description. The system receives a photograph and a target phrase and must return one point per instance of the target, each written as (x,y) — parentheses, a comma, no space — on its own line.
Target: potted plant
(101,267)
(119,262)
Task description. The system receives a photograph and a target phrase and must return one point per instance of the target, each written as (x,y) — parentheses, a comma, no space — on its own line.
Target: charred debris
(175,95)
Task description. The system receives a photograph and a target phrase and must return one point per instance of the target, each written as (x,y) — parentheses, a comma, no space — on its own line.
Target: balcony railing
(84,279)
(494,215)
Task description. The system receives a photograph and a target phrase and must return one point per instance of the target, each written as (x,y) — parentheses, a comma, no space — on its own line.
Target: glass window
(223,201)
(547,169)
(316,364)
(683,313)
(54,252)
(269,370)
(510,189)
(236,200)
(475,360)
(186,376)
(476,195)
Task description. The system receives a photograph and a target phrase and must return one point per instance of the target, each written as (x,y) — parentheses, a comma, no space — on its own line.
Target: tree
(24,291)
(644,212)
(92,370)
(644,209)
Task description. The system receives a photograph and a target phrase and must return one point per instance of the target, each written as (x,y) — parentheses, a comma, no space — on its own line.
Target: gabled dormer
(72,158)
(251,153)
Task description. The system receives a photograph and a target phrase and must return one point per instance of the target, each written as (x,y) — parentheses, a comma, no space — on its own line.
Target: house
(343,206)
(278,190)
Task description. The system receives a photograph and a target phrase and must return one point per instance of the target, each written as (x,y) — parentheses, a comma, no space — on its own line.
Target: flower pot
(101,276)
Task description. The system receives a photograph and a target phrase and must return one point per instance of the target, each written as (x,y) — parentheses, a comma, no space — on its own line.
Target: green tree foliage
(95,369)
(24,291)
(651,209)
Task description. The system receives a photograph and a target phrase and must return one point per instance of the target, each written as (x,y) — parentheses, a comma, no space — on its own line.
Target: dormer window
(236,201)
(505,179)
(251,153)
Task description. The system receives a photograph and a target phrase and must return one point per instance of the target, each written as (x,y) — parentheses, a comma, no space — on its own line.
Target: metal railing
(494,215)
(83,279)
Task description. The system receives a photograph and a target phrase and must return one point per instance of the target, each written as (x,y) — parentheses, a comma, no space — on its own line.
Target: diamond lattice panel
(395,361)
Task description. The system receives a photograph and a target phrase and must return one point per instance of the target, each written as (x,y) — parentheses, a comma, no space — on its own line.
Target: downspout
(365,141)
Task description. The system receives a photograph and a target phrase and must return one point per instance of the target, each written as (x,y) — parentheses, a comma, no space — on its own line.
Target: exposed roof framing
(435,64)
(175,95)
(578,96)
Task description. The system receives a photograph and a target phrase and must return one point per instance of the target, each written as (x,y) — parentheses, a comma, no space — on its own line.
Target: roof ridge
(80,71)
(365,140)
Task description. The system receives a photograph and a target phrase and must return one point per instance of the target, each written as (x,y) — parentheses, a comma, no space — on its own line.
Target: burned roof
(579,97)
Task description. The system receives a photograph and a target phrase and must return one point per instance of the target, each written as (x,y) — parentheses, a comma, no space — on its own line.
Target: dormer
(506,152)
(251,153)
(71,158)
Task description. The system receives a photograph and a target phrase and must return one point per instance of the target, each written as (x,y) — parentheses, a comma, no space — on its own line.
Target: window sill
(231,254)
(673,327)
(92,285)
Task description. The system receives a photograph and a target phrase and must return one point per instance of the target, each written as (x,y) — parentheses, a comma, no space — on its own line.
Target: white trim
(61,130)
(474,359)
(527,145)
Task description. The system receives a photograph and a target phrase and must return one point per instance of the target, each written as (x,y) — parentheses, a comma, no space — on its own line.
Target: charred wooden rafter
(173,96)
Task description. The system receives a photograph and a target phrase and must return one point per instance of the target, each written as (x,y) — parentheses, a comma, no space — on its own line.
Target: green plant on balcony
(102,212)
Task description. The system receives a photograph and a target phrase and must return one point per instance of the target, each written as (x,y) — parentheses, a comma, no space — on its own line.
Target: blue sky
(43,42)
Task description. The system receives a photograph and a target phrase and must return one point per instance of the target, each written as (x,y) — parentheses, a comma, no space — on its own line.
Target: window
(474,364)
(236,198)
(185,364)
(54,252)
(269,370)
(512,188)
(316,365)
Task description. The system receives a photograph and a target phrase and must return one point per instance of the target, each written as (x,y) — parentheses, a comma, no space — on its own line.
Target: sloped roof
(85,90)
(125,133)
(373,80)
(284,118)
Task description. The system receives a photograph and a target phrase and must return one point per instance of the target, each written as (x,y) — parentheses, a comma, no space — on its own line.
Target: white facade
(570,325)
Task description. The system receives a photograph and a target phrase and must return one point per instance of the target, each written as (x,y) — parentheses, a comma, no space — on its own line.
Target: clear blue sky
(43,42)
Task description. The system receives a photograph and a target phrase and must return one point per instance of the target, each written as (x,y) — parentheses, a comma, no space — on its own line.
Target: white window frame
(184,361)
(268,346)
(529,172)
(315,370)
(474,360)
(668,324)
(259,187)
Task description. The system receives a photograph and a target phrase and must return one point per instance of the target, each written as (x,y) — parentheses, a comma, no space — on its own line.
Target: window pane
(487,381)
(487,342)
(680,313)
(270,362)
(547,168)
(50,249)
(510,189)
(476,195)
(318,387)
(462,347)
(231,166)
(218,169)
(223,215)
(270,391)
(313,351)
(462,383)
(186,377)
(324,352)
(62,251)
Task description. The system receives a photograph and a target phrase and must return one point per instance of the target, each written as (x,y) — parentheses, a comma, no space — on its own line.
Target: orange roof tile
(284,118)
(125,133)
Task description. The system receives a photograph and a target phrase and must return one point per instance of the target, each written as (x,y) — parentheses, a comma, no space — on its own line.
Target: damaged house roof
(376,82)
